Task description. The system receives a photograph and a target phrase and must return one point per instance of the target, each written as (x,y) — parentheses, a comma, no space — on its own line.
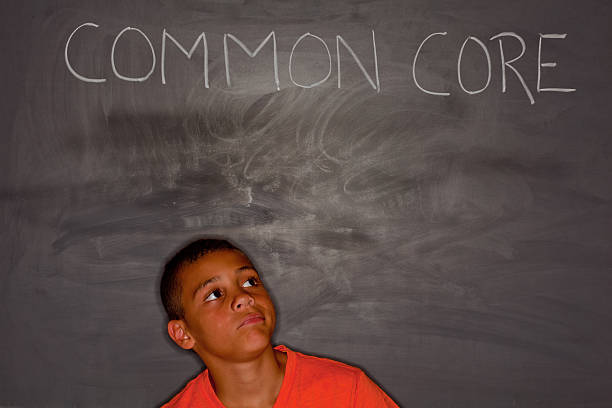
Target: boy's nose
(242,300)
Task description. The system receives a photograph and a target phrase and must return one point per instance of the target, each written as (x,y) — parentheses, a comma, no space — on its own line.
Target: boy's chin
(256,342)
(253,345)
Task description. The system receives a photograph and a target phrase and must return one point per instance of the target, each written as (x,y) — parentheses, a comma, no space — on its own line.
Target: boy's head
(216,302)
(170,286)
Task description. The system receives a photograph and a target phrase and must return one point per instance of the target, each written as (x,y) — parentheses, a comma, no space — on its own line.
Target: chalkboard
(424,185)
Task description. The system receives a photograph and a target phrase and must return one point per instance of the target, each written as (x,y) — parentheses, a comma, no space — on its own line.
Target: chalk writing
(373,79)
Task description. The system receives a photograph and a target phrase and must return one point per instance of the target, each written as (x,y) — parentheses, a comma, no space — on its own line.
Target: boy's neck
(255,383)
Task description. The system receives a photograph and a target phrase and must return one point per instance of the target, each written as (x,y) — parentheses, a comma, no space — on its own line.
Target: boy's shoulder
(320,381)
(321,368)
(190,395)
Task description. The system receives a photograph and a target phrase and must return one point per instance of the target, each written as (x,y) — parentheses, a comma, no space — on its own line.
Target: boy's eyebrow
(203,285)
(216,278)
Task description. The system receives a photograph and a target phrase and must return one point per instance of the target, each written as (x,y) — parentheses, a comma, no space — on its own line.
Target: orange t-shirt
(309,382)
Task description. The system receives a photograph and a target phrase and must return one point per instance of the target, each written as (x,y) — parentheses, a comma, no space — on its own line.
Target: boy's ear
(180,335)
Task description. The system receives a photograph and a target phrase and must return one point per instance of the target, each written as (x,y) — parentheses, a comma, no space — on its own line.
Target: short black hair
(170,286)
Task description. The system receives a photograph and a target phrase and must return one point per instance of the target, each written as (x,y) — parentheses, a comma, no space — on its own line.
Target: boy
(218,307)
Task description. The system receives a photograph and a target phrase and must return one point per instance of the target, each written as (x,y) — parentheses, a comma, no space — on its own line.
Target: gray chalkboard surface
(425,186)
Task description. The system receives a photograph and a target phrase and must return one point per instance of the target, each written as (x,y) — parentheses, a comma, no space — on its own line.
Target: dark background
(456,248)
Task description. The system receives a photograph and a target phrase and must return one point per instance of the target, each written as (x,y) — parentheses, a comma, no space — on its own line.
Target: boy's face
(228,313)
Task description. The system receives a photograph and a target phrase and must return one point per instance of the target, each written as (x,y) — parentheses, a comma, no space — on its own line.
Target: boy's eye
(250,282)
(215,294)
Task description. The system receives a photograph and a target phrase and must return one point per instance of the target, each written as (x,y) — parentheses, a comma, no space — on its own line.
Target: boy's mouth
(252,318)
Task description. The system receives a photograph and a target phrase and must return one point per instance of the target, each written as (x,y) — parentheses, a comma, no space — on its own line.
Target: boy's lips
(252,318)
